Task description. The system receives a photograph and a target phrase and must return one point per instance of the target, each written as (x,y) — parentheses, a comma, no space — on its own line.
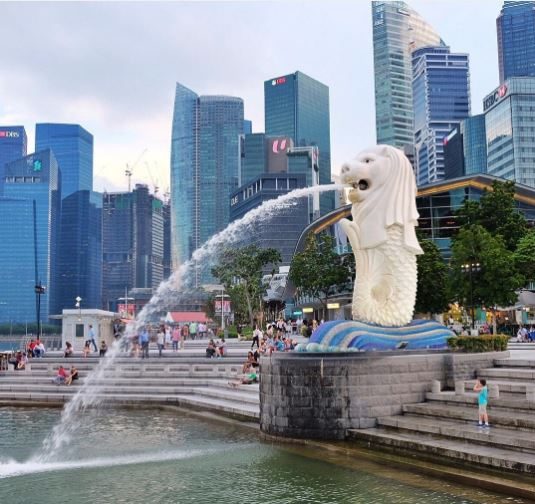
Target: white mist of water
(90,392)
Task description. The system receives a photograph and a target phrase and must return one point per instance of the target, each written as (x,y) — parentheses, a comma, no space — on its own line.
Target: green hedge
(483,343)
(232,332)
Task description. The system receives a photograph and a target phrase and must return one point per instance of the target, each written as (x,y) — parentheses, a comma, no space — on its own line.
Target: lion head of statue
(383,193)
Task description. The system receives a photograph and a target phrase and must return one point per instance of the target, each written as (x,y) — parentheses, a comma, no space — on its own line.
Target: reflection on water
(152,456)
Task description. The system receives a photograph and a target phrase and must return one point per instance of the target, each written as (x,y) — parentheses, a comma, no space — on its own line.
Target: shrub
(483,343)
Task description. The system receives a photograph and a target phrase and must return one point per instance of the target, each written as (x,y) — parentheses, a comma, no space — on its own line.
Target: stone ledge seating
(445,426)
(186,378)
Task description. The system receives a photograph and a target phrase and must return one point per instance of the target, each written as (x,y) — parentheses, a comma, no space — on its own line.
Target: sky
(112,67)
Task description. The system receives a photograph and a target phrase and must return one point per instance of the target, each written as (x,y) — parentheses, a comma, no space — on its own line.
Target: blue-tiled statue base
(352,335)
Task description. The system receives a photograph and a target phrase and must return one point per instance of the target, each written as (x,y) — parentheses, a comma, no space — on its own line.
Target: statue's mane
(394,203)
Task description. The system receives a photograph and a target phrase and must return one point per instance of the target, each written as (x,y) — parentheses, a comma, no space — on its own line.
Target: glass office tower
(441,98)
(13,145)
(397,31)
(29,225)
(297,106)
(73,147)
(510,127)
(465,148)
(515,27)
(204,167)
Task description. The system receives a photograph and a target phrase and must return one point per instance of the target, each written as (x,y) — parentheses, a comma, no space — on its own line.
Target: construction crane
(130,169)
(154,182)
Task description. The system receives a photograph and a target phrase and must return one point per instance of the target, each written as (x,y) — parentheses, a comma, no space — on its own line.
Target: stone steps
(503,418)
(493,436)
(514,363)
(518,404)
(508,373)
(231,408)
(411,443)
(508,387)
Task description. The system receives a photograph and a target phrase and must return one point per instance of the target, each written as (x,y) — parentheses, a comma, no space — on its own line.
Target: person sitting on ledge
(222,348)
(61,376)
(246,379)
(72,376)
(211,350)
(103,349)
(248,364)
(68,350)
(87,349)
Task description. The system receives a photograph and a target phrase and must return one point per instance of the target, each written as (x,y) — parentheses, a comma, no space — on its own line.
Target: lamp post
(40,289)
(79,306)
(471,268)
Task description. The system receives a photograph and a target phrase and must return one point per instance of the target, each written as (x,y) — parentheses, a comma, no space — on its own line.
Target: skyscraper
(297,106)
(397,31)
(204,167)
(441,99)
(465,148)
(515,27)
(133,243)
(73,147)
(510,127)
(80,257)
(29,229)
(13,145)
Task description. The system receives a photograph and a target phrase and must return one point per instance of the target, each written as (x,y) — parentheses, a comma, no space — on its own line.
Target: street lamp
(40,289)
(471,268)
(79,306)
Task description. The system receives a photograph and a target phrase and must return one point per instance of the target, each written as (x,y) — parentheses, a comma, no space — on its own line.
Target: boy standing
(482,398)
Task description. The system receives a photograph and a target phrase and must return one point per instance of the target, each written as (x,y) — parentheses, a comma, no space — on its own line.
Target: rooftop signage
(496,96)
(9,134)
(280,80)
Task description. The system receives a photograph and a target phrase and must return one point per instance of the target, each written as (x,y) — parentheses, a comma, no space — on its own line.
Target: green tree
(318,270)
(525,255)
(240,271)
(496,211)
(432,295)
(495,281)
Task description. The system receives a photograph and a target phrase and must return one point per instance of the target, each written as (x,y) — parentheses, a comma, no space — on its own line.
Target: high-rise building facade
(515,28)
(80,254)
(73,147)
(510,128)
(204,167)
(283,228)
(441,99)
(465,148)
(397,31)
(29,224)
(133,243)
(13,146)
(297,106)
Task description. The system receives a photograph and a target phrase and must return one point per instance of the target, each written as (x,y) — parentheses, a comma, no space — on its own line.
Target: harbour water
(153,456)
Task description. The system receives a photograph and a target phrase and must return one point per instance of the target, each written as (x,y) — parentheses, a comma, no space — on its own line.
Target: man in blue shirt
(92,337)
(144,343)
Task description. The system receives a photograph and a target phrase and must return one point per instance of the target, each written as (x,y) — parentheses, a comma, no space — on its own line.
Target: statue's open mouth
(361,184)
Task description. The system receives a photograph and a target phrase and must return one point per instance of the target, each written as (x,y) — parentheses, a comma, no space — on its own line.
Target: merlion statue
(383,238)
(382,235)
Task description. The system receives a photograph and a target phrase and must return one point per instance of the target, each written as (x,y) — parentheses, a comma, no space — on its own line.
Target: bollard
(494,392)
(436,387)
(530,393)
(459,387)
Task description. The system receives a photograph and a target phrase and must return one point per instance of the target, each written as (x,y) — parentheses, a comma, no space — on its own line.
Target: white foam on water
(169,291)
(11,468)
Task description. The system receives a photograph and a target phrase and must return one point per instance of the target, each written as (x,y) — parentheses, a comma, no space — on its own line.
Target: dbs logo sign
(279,145)
(280,80)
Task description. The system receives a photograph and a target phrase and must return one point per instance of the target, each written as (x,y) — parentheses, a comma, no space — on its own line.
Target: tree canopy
(319,269)
(432,289)
(240,271)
